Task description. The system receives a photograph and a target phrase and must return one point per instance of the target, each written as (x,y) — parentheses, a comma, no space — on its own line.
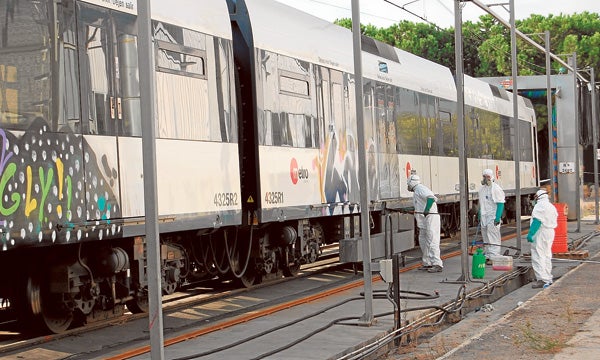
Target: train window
(507,138)
(445,117)
(176,59)
(226,87)
(191,105)
(337,107)
(448,128)
(409,123)
(489,144)
(99,99)
(282,133)
(428,124)
(473,118)
(109,72)
(525,144)
(293,84)
(289,113)
(71,112)
(25,64)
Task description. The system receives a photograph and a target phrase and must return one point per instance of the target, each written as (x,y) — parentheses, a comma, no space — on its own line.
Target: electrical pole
(550,121)
(147,101)
(517,145)
(462,156)
(367,318)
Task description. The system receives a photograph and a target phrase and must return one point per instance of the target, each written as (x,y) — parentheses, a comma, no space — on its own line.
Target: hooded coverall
(489,198)
(543,236)
(429,226)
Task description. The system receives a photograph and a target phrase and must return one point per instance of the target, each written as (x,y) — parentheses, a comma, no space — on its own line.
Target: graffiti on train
(52,190)
(338,165)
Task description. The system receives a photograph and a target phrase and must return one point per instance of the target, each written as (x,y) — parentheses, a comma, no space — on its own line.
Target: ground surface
(537,329)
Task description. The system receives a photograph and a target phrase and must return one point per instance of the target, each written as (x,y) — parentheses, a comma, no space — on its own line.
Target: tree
(486,43)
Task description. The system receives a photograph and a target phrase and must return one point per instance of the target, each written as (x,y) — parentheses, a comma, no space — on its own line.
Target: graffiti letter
(46,182)
(69,192)
(59,173)
(9,173)
(4,158)
(30,204)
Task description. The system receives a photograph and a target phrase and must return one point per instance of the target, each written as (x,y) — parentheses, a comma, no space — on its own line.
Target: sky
(439,12)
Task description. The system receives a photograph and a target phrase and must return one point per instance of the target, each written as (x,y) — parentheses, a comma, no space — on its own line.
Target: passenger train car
(256,141)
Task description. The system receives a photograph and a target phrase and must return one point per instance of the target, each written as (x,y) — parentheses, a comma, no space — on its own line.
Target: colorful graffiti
(338,166)
(52,190)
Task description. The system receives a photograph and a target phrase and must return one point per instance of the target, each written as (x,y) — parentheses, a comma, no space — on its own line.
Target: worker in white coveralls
(491,205)
(541,235)
(428,222)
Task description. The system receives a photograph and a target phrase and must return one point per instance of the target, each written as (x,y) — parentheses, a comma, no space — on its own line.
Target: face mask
(411,189)
(486,181)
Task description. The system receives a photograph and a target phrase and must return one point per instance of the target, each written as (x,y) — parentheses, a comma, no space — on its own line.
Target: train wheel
(249,278)
(291,270)
(293,265)
(47,313)
(138,305)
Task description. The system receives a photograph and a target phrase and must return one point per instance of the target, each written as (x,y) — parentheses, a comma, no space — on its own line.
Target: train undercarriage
(78,284)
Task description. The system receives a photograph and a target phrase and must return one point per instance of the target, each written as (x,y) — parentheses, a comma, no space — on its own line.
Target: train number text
(274,197)
(226,199)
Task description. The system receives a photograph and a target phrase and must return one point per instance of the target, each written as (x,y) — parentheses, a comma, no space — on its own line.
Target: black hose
(423,295)
(266,332)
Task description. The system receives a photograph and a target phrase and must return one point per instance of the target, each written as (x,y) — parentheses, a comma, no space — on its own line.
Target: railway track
(11,340)
(212,294)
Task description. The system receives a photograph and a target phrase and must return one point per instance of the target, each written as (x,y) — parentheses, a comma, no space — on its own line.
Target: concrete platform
(332,328)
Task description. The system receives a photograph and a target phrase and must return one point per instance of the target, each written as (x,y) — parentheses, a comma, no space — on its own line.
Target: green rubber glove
(533,228)
(499,209)
(428,206)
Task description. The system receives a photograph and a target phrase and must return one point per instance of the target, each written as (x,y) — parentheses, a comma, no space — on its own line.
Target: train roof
(526,109)
(504,104)
(208,17)
(285,30)
(479,94)
(385,63)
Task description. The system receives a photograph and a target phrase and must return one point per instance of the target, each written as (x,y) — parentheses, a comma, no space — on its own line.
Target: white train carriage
(73,201)
(302,116)
(413,119)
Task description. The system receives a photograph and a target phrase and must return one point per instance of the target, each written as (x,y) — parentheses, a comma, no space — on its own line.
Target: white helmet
(413,181)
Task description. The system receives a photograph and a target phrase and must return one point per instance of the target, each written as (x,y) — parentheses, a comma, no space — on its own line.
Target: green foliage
(486,43)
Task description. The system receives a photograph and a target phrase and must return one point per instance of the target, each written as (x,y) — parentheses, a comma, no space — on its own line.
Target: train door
(107,45)
(339,182)
(386,130)
(370,128)
(427,111)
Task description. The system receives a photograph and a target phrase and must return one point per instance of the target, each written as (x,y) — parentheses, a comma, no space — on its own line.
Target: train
(256,149)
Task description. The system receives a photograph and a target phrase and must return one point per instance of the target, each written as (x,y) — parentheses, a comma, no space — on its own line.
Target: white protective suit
(541,249)
(429,226)
(489,198)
